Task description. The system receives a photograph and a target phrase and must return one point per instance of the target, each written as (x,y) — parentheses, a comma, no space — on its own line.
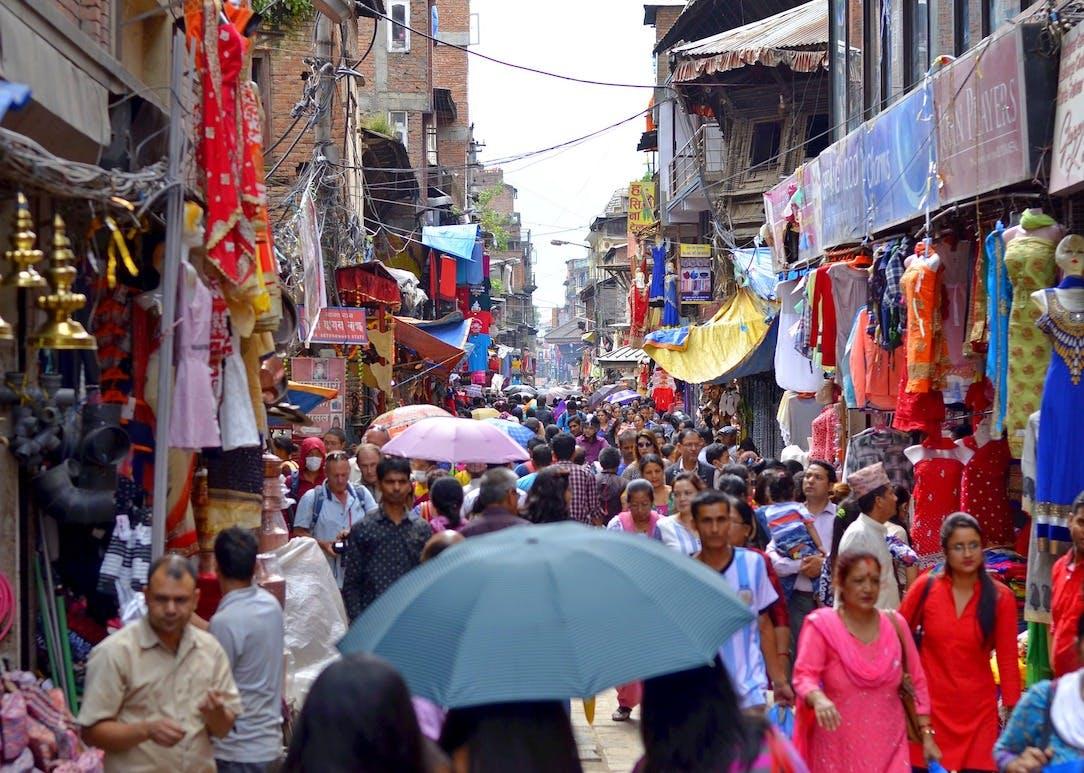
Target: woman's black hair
(903,496)
(528,737)
(987,589)
(546,497)
(850,515)
(647,459)
(446,494)
(692,721)
(357,716)
(640,486)
(732,484)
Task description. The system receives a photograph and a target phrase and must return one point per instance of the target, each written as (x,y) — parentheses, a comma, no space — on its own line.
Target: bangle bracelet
(927,730)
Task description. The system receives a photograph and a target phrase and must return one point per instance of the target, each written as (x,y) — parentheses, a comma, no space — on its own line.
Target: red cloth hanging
(447,278)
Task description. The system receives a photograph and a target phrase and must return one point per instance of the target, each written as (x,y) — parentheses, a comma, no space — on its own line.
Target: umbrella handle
(589,709)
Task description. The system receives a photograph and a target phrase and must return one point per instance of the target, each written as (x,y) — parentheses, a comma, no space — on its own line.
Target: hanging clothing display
(656,293)
(939,468)
(1059,461)
(825,433)
(984,491)
(850,292)
(925,339)
(795,416)
(874,372)
(792,370)
(1029,263)
(671,310)
(880,444)
(822,330)
(190,425)
(917,410)
(999,295)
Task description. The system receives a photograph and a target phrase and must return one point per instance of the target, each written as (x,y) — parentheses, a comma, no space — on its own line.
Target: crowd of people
(886,669)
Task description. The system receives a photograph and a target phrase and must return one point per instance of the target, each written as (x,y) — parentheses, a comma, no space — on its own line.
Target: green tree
(490,219)
(280,13)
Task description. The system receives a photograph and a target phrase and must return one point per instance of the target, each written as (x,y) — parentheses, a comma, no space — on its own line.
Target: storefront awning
(760,360)
(718,347)
(625,356)
(442,344)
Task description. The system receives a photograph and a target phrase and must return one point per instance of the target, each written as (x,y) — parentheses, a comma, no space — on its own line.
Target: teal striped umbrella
(547,613)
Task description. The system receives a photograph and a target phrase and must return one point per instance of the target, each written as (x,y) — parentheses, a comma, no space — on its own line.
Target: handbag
(907,689)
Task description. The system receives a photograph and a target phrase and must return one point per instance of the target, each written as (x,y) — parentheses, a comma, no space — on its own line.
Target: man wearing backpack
(328,512)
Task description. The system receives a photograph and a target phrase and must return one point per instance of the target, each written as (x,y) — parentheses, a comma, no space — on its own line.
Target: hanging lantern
(61,331)
(24,256)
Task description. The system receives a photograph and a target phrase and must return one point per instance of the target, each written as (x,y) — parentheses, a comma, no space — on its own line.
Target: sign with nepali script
(641,204)
(1067,163)
(327,372)
(338,325)
(982,129)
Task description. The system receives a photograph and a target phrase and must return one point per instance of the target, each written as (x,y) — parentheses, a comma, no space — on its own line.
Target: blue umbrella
(517,432)
(624,396)
(547,613)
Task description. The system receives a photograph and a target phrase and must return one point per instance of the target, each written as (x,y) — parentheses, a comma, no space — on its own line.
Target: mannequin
(1069,257)
(927,354)
(939,465)
(1029,264)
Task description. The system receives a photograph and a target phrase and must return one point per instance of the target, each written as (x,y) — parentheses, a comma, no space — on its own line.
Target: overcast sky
(515,112)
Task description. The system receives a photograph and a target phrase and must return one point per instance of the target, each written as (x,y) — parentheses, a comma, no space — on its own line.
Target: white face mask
(313,463)
(418,476)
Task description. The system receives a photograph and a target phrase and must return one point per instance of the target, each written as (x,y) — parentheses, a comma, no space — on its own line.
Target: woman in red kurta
(963,614)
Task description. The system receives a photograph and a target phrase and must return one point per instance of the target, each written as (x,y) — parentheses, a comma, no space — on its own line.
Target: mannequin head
(1070,255)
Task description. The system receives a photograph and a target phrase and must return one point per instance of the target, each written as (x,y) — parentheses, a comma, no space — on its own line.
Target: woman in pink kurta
(847,678)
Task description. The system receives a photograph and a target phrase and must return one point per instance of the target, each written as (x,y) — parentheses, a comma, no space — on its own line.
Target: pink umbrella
(451,439)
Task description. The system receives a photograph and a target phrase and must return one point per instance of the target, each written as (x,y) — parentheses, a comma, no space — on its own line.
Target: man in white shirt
(328,512)
(817,486)
(877,501)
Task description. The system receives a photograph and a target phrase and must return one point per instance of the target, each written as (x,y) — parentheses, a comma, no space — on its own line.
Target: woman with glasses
(646,443)
(957,617)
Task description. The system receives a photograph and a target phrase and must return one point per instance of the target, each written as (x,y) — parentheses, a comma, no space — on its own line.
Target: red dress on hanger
(918,410)
(937,494)
(984,490)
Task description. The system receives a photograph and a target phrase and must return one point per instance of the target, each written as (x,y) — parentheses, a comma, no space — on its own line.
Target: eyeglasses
(965,547)
(645,444)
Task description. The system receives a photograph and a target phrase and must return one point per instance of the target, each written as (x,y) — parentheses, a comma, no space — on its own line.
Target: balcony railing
(701,160)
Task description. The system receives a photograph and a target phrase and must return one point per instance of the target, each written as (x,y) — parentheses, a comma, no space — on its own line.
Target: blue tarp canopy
(452,333)
(456,240)
(12,96)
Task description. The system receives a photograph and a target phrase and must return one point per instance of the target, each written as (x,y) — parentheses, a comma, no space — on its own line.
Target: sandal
(622,714)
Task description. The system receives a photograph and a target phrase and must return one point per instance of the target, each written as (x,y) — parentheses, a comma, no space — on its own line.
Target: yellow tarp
(720,345)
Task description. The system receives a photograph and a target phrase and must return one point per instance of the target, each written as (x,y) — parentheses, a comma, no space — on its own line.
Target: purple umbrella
(624,396)
(450,439)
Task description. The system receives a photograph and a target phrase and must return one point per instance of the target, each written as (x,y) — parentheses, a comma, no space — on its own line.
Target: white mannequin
(932,259)
(916,454)
(1052,233)
(1070,259)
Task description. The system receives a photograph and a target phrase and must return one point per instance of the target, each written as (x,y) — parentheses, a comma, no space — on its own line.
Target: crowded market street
(473,386)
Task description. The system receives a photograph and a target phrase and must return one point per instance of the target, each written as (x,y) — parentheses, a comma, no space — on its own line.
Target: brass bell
(24,256)
(61,331)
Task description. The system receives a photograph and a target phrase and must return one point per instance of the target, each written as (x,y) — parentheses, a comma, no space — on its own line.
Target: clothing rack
(955,208)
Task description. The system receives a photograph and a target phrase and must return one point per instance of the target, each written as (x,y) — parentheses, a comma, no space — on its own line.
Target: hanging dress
(1029,262)
(1059,462)
(938,474)
(927,352)
(984,490)
(656,293)
(194,419)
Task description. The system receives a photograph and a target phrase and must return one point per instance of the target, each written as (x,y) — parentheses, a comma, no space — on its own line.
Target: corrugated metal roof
(797,37)
(625,355)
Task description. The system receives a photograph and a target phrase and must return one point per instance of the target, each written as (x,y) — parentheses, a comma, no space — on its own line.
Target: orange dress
(957,665)
(927,350)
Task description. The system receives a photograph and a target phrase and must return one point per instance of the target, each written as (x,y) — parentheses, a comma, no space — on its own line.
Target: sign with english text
(1067,163)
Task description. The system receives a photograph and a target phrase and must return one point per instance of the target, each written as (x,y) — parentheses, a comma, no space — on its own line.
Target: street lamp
(563,243)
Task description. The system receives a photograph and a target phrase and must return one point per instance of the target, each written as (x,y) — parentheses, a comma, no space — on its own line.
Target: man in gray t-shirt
(248,625)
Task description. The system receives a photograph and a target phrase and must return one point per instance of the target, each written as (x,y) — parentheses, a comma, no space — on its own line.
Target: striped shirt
(741,654)
(673,534)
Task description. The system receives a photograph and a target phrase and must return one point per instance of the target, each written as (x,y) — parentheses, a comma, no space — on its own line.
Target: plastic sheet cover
(315,617)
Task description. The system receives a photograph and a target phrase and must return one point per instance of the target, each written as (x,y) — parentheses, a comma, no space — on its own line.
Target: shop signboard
(345,325)
(1067,162)
(982,119)
(323,372)
(776,209)
(808,176)
(900,146)
(842,201)
(694,273)
(641,204)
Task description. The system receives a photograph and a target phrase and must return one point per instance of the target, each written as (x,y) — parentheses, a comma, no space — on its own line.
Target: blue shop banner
(900,147)
(842,200)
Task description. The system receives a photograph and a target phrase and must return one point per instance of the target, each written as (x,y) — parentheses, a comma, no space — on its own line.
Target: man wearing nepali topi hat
(877,501)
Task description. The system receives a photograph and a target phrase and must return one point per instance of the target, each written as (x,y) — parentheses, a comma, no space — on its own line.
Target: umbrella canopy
(603,392)
(514,430)
(624,396)
(484,413)
(547,613)
(455,440)
(397,420)
(521,389)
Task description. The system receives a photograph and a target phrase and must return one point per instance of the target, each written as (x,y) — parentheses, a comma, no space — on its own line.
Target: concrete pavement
(606,746)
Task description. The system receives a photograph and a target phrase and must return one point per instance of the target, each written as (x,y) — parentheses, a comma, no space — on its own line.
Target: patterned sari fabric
(1029,262)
